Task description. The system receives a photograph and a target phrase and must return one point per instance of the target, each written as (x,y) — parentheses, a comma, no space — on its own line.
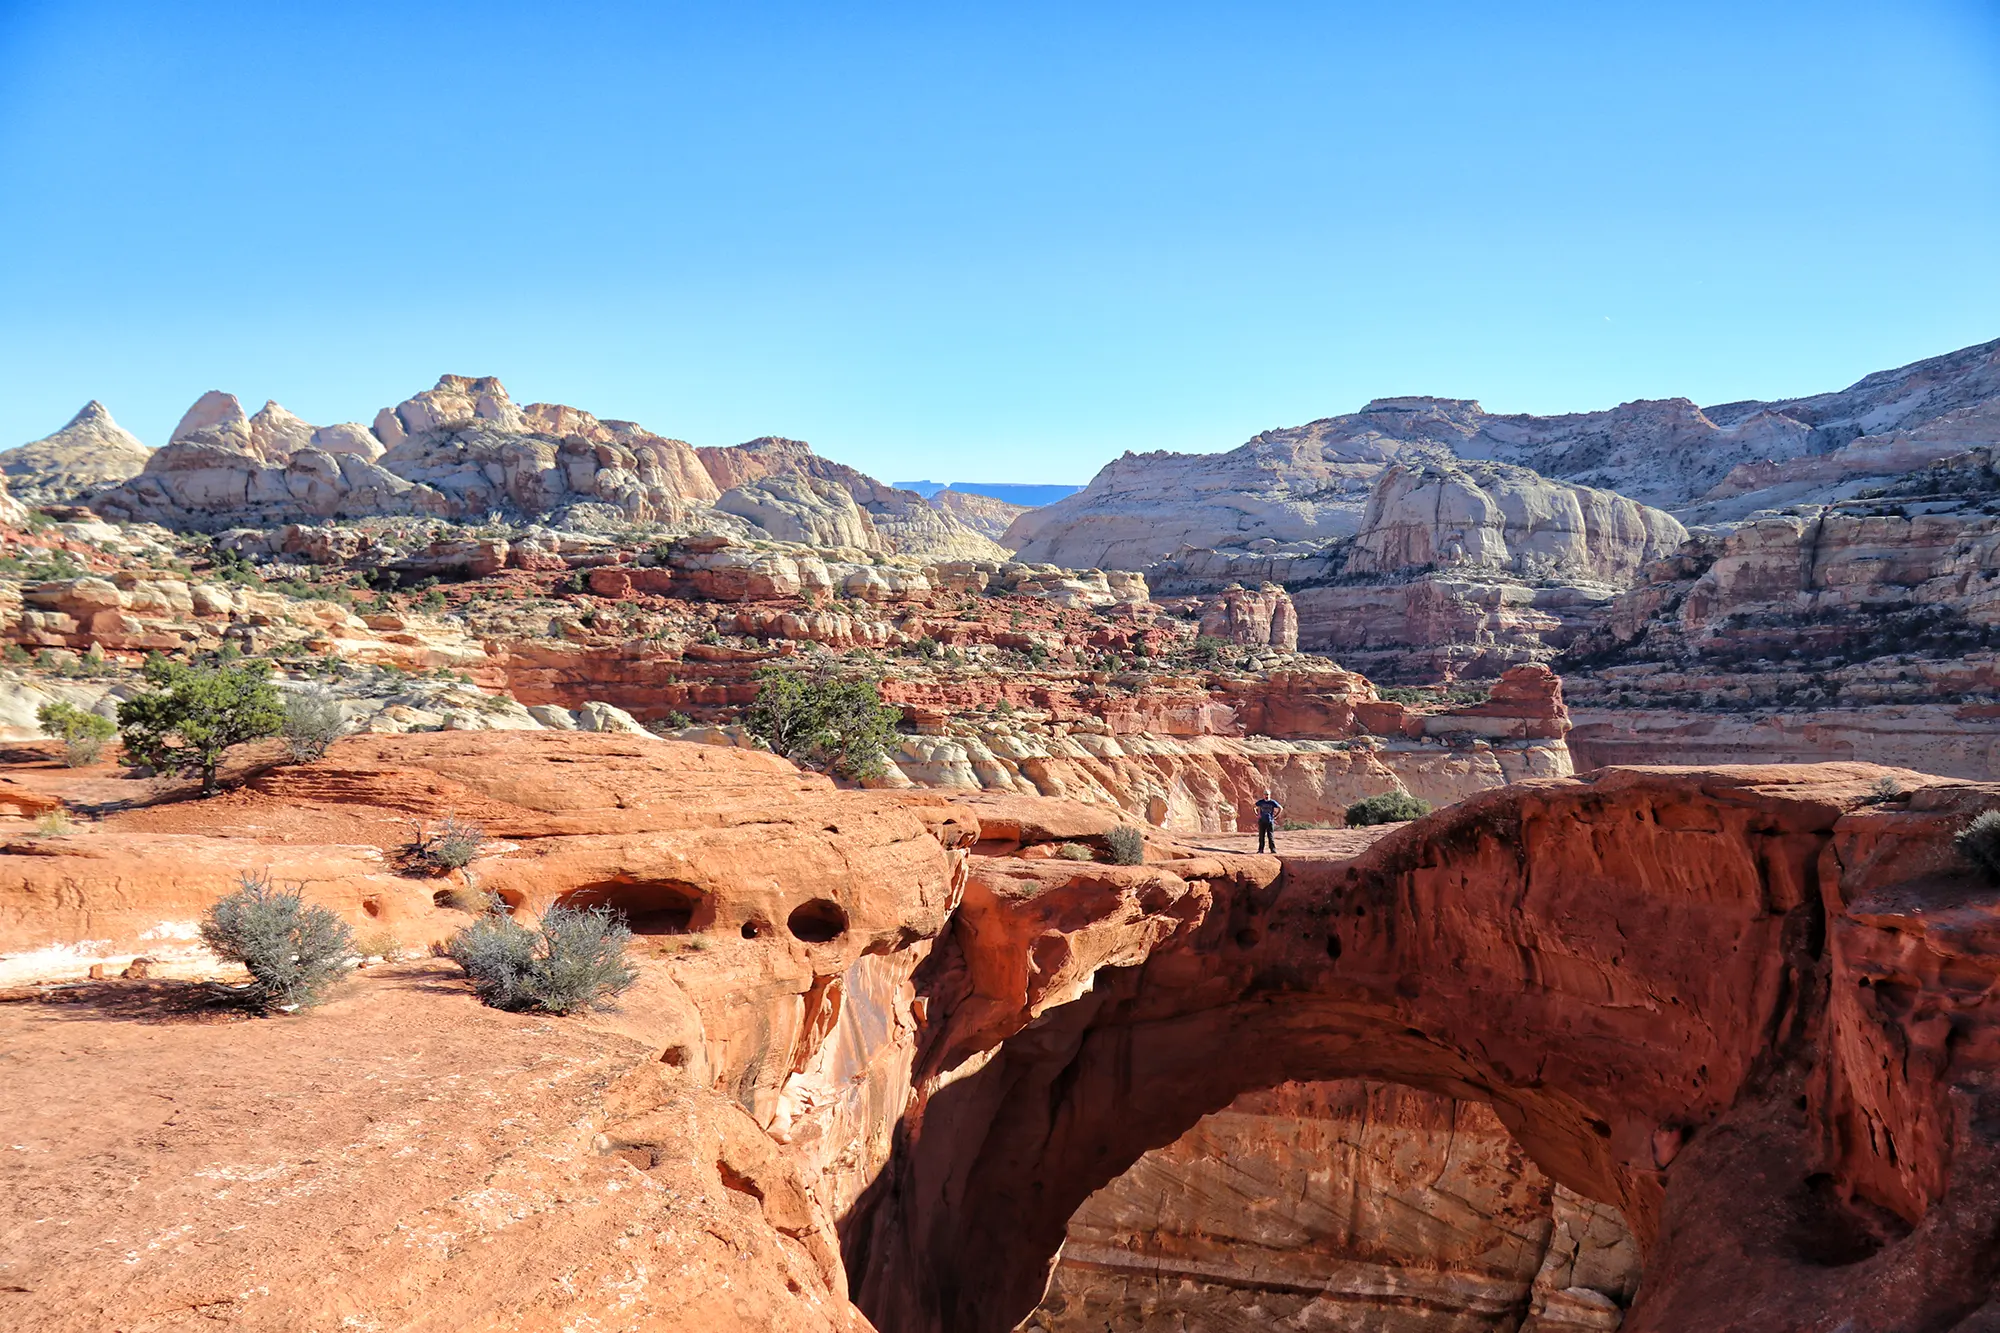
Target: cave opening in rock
(650,906)
(820,921)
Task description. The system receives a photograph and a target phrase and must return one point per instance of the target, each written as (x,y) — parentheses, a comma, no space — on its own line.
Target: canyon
(1599,1044)
(882,1053)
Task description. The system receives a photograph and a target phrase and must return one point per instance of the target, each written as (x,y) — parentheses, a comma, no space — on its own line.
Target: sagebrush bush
(574,961)
(54,824)
(1127,845)
(1979,843)
(83,734)
(313,722)
(294,950)
(1075,851)
(1390,807)
(451,845)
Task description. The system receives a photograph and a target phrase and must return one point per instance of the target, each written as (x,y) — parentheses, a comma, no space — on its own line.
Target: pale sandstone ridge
(905,518)
(1341,1205)
(88,454)
(1310,483)
(465,451)
(1456,569)
(1709,998)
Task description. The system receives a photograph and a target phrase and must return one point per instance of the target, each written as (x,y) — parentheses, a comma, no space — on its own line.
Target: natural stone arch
(1625,968)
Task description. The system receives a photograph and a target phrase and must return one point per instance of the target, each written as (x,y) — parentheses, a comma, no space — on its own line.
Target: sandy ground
(399,1159)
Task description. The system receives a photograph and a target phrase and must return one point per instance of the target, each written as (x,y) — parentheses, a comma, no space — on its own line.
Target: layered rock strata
(1335,1205)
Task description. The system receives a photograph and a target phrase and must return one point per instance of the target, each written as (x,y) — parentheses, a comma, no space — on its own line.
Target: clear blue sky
(986,242)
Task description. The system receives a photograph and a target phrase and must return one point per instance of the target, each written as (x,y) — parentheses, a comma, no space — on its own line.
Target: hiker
(1267,824)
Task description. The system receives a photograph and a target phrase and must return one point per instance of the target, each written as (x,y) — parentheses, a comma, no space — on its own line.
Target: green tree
(821,717)
(192,715)
(82,734)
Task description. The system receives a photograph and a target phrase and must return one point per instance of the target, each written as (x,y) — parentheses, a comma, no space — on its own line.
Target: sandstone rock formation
(1717,1072)
(88,454)
(1864,630)
(1743,1006)
(1455,570)
(1310,483)
(905,518)
(464,451)
(982,513)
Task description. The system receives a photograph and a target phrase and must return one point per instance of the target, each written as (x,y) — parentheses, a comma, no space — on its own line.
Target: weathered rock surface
(88,454)
(1654,978)
(1338,1205)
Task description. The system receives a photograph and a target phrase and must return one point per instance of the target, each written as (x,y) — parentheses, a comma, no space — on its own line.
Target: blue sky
(986,242)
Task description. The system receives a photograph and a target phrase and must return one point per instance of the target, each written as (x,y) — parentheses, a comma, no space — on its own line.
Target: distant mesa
(1026,494)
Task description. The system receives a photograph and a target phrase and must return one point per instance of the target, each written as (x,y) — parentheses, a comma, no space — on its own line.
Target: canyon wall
(1340,1205)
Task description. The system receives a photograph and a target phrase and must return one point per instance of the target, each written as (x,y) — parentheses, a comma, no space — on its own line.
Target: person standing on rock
(1267,824)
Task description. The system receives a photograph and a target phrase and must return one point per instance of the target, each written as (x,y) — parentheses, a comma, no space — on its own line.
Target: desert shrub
(821,717)
(450,845)
(82,734)
(313,722)
(293,949)
(1979,843)
(1884,790)
(53,824)
(1391,807)
(1127,845)
(1208,649)
(193,715)
(379,944)
(574,961)
(1405,694)
(464,898)
(1075,851)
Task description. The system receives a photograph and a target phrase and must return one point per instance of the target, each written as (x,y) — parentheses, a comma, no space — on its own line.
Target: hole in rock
(752,929)
(650,906)
(372,906)
(818,921)
(1833,1232)
(677,1056)
(1333,946)
(1246,939)
(736,1180)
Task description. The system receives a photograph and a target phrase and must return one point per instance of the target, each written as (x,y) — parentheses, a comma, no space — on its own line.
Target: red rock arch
(1654,977)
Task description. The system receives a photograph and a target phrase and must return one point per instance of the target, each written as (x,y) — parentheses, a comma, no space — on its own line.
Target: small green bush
(294,950)
(1391,807)
(1979,843)
(1127,845)
(83,734)
(575,961)
(1075,851)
